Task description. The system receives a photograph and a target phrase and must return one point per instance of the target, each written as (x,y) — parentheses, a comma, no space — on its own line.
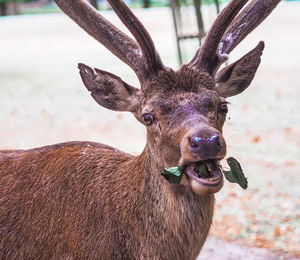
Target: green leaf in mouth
(235,175)
(201,170)
(173,174)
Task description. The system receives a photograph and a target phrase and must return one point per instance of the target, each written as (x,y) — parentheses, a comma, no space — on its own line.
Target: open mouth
(205,176)
(206,172)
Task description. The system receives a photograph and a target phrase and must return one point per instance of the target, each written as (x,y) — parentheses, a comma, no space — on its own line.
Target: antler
(152,59)
(206,55)
(141,57)
(245,23)
(219,43)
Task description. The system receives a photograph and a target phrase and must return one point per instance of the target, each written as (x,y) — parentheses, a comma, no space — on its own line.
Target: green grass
(46,9)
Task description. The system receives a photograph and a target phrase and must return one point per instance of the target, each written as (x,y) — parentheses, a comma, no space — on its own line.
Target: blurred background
(43,101)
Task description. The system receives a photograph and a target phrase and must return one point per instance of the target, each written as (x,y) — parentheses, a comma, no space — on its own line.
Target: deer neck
(169,207)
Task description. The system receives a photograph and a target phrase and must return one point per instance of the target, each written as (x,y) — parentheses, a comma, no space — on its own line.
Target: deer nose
(206,145)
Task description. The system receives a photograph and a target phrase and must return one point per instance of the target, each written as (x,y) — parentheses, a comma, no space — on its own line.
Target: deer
(85,200)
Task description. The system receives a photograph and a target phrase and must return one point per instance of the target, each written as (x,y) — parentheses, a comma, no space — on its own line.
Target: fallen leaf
(276,232)
(256,139)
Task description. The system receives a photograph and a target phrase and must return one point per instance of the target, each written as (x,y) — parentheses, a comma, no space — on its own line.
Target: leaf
(229,176)
(236,175)
(201,169)
(173,174)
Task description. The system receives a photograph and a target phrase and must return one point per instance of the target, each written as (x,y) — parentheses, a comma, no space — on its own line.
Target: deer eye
(223,108)
(148,119)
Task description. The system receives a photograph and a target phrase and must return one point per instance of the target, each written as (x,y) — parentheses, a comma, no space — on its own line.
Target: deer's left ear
(109,90)
(236,77)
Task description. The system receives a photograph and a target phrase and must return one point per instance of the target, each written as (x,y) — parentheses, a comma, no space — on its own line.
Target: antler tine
(205,57)
(106,33)
(152,59)
(245,22)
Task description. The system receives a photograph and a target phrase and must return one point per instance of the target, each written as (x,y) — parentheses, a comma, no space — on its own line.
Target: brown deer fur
(103,196)
(83,200)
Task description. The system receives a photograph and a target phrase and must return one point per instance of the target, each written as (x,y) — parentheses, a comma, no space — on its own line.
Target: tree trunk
(3,9)
(146,4)
(94,3)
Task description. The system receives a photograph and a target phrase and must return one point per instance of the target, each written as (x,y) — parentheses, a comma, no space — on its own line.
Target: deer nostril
(195,141)
(215,139)
(218,142)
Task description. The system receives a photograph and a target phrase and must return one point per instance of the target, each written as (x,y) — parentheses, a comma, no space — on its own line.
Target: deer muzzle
(201,151)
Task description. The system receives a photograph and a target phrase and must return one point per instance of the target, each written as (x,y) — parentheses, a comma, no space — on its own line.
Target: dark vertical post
(3,8)
(146,4)
(217,6)
(174,6)
(94,3)
(197,4)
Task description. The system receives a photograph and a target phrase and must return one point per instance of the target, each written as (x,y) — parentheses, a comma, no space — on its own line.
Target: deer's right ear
(236,77)
(109,90)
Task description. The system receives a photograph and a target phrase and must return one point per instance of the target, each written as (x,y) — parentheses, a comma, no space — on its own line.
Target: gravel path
(221,250)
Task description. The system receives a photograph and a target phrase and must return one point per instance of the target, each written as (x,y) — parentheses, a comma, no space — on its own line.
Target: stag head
(184,111)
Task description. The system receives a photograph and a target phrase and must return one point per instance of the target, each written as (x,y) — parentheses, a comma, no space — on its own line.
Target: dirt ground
(42,101)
